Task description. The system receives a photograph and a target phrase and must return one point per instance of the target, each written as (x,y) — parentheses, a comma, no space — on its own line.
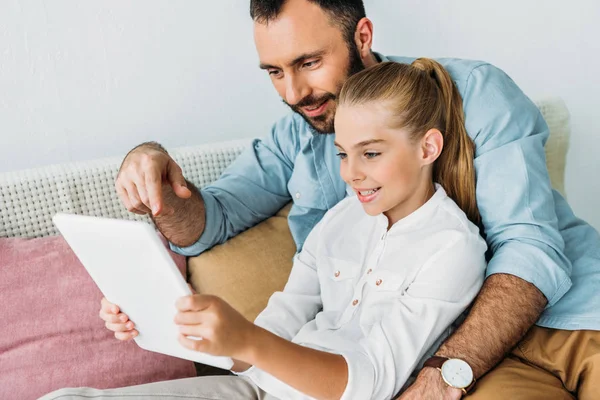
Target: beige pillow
(248,268)
(557,117)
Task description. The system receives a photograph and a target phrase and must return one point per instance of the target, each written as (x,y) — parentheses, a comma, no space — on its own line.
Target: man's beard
(324,123)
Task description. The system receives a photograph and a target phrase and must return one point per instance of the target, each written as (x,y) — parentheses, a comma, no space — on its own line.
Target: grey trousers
(203,388)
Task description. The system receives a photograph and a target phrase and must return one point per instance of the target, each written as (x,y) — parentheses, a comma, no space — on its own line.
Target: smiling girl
(383,275)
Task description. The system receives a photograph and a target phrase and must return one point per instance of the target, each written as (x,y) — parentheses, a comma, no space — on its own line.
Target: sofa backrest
(30,198)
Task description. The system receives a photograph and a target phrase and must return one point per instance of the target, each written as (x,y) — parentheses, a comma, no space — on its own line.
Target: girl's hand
(224,331)
(116,321)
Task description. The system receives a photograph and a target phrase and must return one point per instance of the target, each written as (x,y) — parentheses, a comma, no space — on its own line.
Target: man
(544,265)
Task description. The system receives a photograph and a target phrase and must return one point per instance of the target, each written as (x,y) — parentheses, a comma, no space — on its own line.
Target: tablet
(134,270)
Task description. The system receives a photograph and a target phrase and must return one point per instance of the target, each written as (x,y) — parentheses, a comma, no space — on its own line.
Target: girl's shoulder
(456,218)
(453,226)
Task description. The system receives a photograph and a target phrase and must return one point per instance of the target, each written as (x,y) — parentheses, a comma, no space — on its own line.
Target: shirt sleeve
(514,194)
(300,301)
(251,189)
(447,283)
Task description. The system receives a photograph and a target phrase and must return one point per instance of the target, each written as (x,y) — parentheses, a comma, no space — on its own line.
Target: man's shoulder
(492,101)
(462,63)
(462,70)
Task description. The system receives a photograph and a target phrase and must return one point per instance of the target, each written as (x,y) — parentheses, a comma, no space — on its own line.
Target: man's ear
(363,38)
(432,144)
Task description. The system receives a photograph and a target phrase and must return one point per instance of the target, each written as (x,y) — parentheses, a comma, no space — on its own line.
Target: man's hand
(224,331)
(482,340)
(141,176)
(430,386)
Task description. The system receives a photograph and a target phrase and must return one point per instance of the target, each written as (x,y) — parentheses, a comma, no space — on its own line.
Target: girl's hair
(422,96)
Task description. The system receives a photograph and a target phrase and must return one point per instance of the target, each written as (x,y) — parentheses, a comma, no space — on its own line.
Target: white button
(355,302)
(297,195)
(337,273)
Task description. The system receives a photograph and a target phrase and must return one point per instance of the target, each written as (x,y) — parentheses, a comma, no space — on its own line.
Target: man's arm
(483,340)
(528,269)
(494,325)
(251,189)
(150,182)
(184,227)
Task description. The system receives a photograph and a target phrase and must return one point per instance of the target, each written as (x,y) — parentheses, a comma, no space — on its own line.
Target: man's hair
(345,13)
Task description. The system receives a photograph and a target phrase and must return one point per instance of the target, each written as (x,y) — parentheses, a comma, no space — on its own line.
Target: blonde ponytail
(454,168)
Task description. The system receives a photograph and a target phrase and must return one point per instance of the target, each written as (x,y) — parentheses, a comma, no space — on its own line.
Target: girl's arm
(286,313)
(226,332)
(319,374)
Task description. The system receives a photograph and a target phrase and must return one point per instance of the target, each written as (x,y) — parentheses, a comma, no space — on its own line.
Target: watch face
(457,373)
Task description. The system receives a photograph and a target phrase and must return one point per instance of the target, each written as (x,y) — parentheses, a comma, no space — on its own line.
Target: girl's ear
(432,144)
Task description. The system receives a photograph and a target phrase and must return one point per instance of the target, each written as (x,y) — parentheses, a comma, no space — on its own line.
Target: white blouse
(378,297)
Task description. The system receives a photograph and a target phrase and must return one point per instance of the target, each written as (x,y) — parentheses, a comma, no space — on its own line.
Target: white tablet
(134,270)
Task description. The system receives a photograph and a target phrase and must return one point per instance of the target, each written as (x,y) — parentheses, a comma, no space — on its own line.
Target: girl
(381,277)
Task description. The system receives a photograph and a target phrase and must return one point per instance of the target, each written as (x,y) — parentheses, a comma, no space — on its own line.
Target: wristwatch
(455,372)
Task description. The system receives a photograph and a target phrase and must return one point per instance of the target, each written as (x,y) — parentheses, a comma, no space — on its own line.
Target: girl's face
(389,173)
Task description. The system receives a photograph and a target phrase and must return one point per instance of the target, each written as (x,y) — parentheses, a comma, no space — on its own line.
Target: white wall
(82,80)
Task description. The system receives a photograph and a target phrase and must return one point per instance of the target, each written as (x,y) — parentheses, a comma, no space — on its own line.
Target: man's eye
(309,64)
(274,72)
(371,154)
(341,155)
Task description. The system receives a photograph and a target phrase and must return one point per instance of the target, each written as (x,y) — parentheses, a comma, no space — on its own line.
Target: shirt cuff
(209,237)
(361,376)
(533,265)
(248,373)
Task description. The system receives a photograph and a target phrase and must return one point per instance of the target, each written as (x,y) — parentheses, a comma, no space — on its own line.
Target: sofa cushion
(248,268)
(557,117)
(51,336)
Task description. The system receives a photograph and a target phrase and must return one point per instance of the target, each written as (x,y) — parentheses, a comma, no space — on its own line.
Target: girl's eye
(341,155)
(371,154)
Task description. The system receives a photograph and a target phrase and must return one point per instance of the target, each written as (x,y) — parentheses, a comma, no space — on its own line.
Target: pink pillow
(50,333)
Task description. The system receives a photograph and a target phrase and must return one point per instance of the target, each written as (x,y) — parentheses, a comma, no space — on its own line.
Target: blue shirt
(530,229)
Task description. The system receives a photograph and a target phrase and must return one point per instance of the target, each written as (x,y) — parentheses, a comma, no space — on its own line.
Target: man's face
(308,60)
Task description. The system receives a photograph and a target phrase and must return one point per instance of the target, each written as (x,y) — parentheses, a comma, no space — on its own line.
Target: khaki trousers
(201,388)
(547,364)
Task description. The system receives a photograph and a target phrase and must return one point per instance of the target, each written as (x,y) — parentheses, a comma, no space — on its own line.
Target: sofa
(50,334)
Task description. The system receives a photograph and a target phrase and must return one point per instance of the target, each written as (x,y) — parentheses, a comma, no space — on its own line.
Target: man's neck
(371,60)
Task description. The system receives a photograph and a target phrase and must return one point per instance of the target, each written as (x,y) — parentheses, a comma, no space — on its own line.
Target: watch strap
(438,361)
(469,388)
(435,362)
